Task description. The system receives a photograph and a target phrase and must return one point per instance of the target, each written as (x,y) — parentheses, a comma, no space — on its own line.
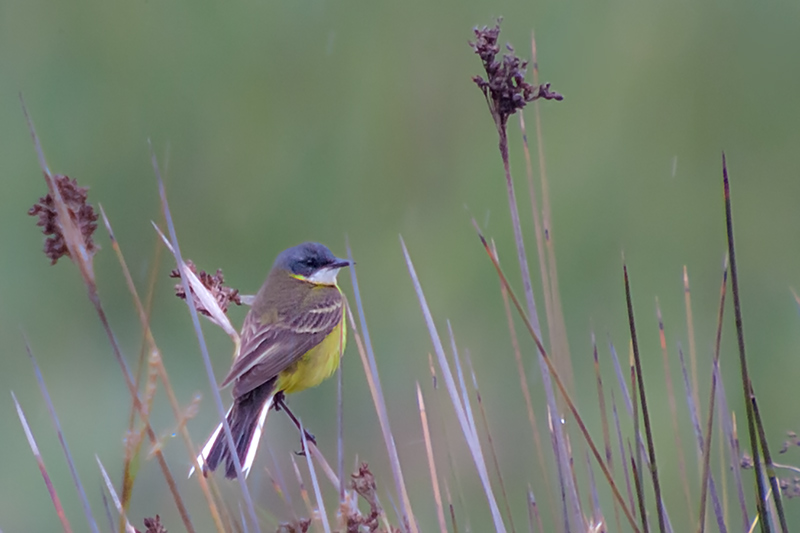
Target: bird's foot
(309,438)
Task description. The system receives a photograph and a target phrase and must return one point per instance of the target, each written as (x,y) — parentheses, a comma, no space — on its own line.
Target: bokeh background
(277,122)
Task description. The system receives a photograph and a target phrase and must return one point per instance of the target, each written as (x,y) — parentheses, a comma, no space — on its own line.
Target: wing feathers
(269,348)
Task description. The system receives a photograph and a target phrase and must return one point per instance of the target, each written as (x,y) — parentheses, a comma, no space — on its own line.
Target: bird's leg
(280,405)
(277,402)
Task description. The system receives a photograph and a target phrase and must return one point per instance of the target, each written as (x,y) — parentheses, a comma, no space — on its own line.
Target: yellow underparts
(317,364)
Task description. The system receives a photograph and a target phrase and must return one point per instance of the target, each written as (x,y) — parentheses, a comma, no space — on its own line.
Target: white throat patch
(326,276)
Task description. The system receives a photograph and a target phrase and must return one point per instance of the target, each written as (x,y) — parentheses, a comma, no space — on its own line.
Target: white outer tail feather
(251,450)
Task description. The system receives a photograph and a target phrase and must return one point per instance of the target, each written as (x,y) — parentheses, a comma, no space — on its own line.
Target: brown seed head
(214,283)
(504,87)
(301,526)
(363,482)
(153,525)
(82,214)
(790,487)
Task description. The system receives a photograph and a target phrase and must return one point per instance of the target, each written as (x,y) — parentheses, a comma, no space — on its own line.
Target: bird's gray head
(311,261)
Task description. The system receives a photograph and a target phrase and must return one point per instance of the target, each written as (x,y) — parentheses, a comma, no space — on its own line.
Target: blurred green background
(277,122)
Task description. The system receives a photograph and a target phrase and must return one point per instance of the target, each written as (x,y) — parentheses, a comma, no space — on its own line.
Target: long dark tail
(246,418)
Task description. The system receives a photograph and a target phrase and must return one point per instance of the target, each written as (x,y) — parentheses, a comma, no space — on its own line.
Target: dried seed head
(504,87)
(153,525)
(791,441)
(746,461)
(363,482)
(301,526)
(790,487)
(82,215)
(214,283)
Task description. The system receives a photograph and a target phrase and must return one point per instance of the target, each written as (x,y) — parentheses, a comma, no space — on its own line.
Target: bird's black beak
(341,263)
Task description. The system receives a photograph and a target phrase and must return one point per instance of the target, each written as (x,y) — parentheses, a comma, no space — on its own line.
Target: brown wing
(269,348)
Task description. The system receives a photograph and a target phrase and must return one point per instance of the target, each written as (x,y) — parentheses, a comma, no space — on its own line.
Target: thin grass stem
(517,227)
(450,507)
(737,311)
(526,393)
(769,466)
(563,470)
(371,370)
(467,428)
(280,487)
(579,515)
(709,487)
(114,498)
(693,415)
(451,463)
(533,512)
(662,337)
(637,459)
(490,440)
(723,471)
(706,440)
(562,389)
(501,123)
(437,496)
(128,476)
(107,509)
(643,399)
(62,516)
(541,252)
(687,298)
(601,399)
(453,519)
(597,513)
(82,258)
(533,314)
(623,460)
(243,520)
(728,424)
(304,494)
(637,481)
(156,362)
(87,510)
(173,237)
(323,514)
(464,396)
(561,341)
(623,386)
(567,488)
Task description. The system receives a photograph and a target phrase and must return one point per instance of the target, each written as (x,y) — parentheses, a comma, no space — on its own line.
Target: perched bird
(291,340)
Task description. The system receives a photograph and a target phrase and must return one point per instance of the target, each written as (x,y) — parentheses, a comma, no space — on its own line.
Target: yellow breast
(317,364)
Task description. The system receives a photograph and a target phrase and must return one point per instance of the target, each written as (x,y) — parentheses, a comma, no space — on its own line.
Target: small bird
(291,340)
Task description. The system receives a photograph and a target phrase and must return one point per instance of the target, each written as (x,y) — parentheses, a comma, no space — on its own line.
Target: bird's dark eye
(309,261)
